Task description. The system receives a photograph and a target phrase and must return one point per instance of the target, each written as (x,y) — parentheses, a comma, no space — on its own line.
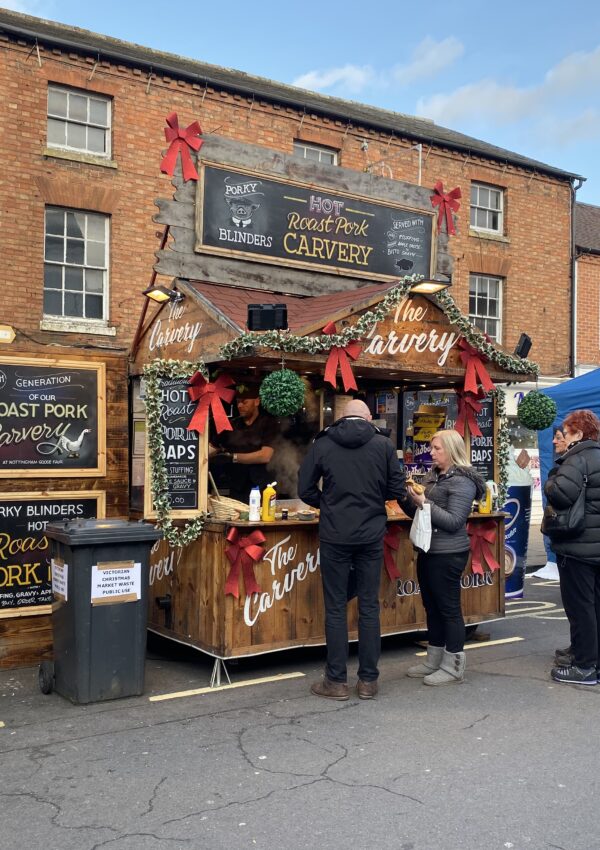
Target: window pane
(52,276)
(484,197)
(93,307)
(96,140)
(494,221)
(495,200)
(76,224)
(98,112)
(75,251)
(57,102)
(94,281)
(53,303)
(95,254)
(76,136)
(57,132)
(96,228)
(78,107)
(55,221)
(310,153)
(54,248)
(74,279)
(472,304)
(493,288)
(474,193)
(481,218)
(73,304)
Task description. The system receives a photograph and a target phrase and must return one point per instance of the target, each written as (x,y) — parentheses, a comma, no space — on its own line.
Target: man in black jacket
(360,472)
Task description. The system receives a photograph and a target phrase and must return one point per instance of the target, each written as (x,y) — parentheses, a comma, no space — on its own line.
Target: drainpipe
(579,181)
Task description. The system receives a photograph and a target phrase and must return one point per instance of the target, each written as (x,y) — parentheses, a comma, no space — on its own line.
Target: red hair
(585,421)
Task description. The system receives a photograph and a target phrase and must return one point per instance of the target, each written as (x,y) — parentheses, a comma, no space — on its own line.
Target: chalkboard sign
(483,449)
(182,452)
(272,221)
(25,577)
(52,419)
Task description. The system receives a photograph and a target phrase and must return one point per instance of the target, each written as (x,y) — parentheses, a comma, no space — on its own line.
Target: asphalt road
(507,760)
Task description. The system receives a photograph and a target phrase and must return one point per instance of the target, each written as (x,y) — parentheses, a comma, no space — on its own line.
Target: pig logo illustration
(242,197)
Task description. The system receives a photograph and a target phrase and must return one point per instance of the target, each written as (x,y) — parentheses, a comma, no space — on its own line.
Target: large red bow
(242,553)
(391,544)
(469,406)
(338,358)
(210,397)
(447,203)
(475,371)
(482,535)
(180,142)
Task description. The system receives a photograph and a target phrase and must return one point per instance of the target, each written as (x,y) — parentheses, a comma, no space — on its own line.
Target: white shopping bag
(420,530)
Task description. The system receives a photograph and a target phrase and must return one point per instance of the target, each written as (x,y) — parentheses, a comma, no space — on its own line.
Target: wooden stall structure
(62,456)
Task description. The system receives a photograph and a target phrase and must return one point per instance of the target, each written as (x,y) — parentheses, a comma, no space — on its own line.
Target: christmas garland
(504,448)
(153,373)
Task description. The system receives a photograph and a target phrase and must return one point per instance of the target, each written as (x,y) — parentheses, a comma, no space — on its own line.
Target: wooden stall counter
(188,600)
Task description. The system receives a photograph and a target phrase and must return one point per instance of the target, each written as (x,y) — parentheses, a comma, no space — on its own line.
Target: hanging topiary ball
(282,393)
(536,411)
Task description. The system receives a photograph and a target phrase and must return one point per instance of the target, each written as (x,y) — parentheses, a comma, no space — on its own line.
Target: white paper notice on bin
(60,579)
(114,582)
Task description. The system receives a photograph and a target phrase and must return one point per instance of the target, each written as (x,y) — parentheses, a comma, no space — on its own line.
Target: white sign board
(115,582)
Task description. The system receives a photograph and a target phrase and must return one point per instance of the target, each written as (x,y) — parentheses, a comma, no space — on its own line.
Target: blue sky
(522,75)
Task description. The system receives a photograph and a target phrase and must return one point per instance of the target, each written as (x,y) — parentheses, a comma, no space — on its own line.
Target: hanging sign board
(275,221)
(483,449)
(52,418)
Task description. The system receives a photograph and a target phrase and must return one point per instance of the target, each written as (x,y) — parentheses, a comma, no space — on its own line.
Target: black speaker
(523,346)
(267,317)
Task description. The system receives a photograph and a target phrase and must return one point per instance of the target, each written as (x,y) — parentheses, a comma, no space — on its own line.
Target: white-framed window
(316,153)
(76,265)
(79,121)
(485,304)
(487,208)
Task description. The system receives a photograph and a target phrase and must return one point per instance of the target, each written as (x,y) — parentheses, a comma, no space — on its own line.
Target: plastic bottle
(516,536)
(254,515)
(409,445)
(268,503)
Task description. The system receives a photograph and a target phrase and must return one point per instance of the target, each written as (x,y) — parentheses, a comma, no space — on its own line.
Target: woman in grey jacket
(450,489)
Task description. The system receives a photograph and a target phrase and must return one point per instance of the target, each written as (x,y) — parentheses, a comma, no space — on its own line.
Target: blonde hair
(454,445)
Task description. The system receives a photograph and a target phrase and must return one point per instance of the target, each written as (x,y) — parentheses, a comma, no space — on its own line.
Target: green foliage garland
(282,392)
(504,447)
(153,373)
(536,411)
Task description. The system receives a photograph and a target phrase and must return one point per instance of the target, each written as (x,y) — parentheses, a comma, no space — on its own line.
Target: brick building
(587,253)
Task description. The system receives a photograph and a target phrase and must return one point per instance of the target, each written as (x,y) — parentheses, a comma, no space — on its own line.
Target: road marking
(538,608)
(547,583)
(197,691)
(1,724)
(482,644)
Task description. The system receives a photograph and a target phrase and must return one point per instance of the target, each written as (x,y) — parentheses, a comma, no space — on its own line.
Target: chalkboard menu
(52,420)
(25,577)
(483,449)
(271,220)
(182,450)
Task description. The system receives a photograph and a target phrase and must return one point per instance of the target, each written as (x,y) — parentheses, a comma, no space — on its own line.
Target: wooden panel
(25,640)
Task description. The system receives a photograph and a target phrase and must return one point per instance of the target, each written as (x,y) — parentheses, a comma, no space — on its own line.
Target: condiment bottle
(268,503)
(254,515)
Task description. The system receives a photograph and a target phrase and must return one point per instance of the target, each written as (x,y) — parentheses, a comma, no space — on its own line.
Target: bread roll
(417,488)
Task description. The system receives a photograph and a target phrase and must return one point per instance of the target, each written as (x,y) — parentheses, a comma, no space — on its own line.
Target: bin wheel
(46,677)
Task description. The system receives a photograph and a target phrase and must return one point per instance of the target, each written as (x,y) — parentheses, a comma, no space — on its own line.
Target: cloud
(28,7)
(428,59)
(574,73)
(351,77)
(486,99)
(583,127)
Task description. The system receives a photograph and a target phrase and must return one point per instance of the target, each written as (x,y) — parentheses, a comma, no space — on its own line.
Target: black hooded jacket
(360,472)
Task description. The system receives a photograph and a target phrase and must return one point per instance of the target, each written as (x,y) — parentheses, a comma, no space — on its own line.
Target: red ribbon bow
(391,544)
(475,371)
(210,397)
(338,358)
(447,203)
(468,408)
(242,553)
(482,535)
(180,143)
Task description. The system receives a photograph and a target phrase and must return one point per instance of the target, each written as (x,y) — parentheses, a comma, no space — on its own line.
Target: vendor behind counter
(239,458)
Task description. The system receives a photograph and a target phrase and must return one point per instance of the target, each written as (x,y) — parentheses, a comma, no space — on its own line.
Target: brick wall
(533,258)
(588,310)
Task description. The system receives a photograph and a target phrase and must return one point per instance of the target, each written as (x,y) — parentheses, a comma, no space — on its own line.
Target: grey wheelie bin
(100,573)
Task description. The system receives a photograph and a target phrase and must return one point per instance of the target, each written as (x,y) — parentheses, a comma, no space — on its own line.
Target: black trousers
(580,590)
(336,563)
(439,579)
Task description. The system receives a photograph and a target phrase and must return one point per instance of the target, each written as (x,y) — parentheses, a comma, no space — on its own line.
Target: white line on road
(208,690)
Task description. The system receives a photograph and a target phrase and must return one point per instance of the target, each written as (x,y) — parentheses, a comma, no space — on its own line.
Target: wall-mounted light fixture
(161,294)
(430,287)
(523,346)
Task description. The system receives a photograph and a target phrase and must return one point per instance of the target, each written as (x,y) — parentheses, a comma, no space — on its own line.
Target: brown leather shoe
(367,690)
(331,690)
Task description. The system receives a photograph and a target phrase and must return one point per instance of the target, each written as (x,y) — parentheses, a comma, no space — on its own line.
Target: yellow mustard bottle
(268,503)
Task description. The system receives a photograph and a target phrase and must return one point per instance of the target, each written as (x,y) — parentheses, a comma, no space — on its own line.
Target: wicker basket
(226,508)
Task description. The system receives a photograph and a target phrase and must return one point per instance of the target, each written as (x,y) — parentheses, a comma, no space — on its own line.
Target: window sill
(488,234)
(76,326)
(75,156)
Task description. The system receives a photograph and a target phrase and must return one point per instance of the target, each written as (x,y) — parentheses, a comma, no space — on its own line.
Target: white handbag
(420,530)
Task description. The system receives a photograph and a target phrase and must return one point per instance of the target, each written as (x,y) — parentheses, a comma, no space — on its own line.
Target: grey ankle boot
(451,670)
(431,663)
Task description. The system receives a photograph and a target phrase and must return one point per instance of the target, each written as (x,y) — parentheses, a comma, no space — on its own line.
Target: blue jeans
(336,562)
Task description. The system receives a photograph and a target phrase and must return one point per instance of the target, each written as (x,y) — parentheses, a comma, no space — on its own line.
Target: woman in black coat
(578,558)
(450,490)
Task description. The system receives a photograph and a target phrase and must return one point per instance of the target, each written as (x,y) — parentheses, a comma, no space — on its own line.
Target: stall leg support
(215,679)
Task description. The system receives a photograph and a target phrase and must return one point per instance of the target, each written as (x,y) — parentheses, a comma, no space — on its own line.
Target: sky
(520,74)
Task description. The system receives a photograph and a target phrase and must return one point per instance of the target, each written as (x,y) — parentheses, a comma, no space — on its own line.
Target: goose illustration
(64,445)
